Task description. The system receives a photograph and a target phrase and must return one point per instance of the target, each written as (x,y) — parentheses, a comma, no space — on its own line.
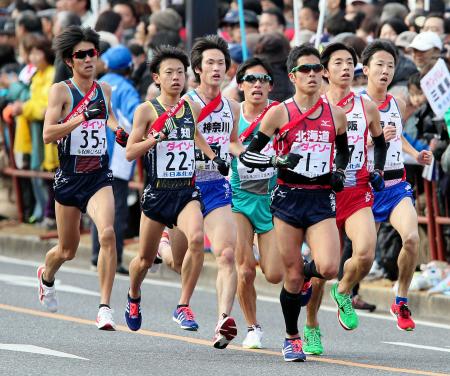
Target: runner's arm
(342,153)
(112,122)
(380,149)
(236,147)
(138,144)
(53,131)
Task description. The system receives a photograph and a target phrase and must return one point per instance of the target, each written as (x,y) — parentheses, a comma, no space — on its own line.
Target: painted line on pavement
(204,342)
(263,298)
(37,350)
(406,344)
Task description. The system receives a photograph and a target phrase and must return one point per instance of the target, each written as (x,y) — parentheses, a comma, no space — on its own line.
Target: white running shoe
(105,319)
(47,295)
(253,338)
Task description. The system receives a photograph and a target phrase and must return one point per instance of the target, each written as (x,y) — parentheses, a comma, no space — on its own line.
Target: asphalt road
(34,342)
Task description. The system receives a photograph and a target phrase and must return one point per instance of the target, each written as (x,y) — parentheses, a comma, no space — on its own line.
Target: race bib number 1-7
(314,158)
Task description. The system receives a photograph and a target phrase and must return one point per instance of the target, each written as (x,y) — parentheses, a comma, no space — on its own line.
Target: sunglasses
(252,78)
(83,53)
(306,68)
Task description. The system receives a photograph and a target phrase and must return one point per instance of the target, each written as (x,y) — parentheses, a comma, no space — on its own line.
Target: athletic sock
(253,327)
(134,300)
(310,270)
(48,284)
(290,305)
(182,305)
(399,299)
(104,305)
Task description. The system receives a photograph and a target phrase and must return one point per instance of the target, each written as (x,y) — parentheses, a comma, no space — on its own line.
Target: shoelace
(134,310)
(296,345)
(404,313)
(188,314)
(314,337)
(347,306)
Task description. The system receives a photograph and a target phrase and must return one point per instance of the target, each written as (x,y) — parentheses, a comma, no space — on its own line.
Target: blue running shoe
(185,318)
(133,315)
(293,350)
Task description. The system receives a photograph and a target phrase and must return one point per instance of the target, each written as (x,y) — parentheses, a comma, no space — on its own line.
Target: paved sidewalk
(31,242)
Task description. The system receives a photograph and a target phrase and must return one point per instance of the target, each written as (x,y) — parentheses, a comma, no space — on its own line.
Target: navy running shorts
(164,205)
(77,190)
(303,208)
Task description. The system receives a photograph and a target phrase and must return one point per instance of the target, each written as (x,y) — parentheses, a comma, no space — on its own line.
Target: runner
(78,112)
(251,198)
(218,122)
(395,202)
(164,129)
(307,130)
(354,203)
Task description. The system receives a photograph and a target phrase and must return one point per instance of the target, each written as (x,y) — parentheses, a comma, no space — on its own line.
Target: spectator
(250,20)
(271,20)
(129,16)
(309,16)
(391,28)
(394,10)
(81,7)
(164,20)
(426,49)
(28,22)
(109,27)
(267,4)
(403,41)
(140,76)
(435,22)
(337,24)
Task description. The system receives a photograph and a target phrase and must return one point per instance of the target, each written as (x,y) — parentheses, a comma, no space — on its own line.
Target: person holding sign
(354,203)
(79,110)
(307,131)
(394,203)
(164,130)
(251,197)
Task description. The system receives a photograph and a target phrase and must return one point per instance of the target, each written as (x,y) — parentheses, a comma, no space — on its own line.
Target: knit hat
(167,19)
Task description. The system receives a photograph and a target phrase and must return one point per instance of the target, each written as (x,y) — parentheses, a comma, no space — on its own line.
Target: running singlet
(313,140)
(84,149)
(216,129)
(394,171)
(254,180)
(171,163)
(356,173)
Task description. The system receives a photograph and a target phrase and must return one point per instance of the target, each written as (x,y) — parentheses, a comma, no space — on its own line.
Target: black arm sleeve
(342,153)
(379,151)
(252,157)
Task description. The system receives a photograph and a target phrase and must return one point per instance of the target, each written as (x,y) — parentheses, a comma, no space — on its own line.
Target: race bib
(394,156)
(219,143)
(89,138)
(314,158)
(247,173)
(175,159)
(356,149)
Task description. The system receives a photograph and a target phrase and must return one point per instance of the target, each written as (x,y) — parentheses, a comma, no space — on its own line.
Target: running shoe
(105,319)
(158,259)
(133,315)
(346,313)
(305,292)
(403,315)
(225,332)
(292,350)
(358,303)
(185,318)
(312,344)
(47,295)
(253,338)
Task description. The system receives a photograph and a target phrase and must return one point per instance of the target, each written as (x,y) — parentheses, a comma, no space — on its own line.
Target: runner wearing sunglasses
(354,203)
(164,130)
(218,122)
(78,112)
(251,197)
(307,130)
(394,203)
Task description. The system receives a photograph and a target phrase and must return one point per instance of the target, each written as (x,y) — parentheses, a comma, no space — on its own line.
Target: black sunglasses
(252,78)
(306,68)
(83,53)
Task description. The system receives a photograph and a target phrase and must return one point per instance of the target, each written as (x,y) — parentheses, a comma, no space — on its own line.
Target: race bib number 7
(314,158)
(89,138)
(175,159)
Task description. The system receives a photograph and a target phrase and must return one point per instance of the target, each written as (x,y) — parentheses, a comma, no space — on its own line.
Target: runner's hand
(376,180)
(94,110)
(222,166)
(337,180)
(285,161)
(121,136)
(169,126)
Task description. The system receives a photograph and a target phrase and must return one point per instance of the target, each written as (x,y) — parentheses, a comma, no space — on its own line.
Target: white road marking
(37,350)
(262,298)
(418,346)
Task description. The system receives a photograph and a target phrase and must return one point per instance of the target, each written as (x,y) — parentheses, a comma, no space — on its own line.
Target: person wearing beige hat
(161,20)
(426,48)
(404,39)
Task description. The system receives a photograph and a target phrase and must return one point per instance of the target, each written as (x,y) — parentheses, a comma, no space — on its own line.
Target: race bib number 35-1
(175,159)
(89,138)
(314,158)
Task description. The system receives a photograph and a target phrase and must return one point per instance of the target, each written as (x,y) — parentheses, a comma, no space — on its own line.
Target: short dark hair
(277,13)
(337,24)
(64,43)
(414,80)
(108,21)
(67,18)
(313,5)
(167,52)
(43,44)
(209,42)
(378,45)
(325,56)
(129,4)
(397,24)
(298,52)
(253,62)
(30,22)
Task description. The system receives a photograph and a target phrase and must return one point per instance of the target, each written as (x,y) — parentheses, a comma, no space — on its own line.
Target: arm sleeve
(379,151)
(252,156)
(342,153)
